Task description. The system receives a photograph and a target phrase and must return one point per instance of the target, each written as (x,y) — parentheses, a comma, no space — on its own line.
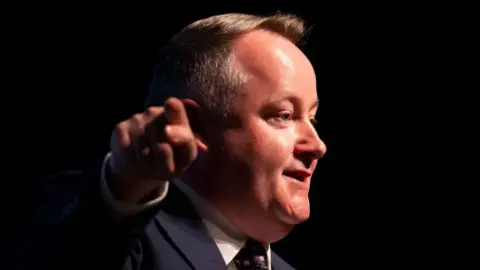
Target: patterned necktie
(252,256)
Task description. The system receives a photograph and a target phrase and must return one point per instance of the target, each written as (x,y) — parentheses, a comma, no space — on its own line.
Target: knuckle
(137,118)
(170,100)
(173,104)
(163,148)
(121,127)
(153,111)
(146,152)
(122,135)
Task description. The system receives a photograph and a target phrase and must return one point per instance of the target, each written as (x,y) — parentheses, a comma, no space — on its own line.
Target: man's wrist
(130,191)
(127,203)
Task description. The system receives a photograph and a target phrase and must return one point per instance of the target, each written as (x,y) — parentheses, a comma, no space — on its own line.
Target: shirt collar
(228,238)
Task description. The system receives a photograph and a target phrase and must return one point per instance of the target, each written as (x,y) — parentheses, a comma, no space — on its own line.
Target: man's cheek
(283,141)
(276,151)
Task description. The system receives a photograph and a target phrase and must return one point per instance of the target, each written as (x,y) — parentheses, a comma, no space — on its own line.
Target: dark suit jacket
(72,230)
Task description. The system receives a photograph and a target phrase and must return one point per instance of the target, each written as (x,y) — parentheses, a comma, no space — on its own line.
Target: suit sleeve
(71,227)
(120,209)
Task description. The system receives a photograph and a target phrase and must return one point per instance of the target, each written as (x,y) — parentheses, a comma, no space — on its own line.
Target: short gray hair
(197,61)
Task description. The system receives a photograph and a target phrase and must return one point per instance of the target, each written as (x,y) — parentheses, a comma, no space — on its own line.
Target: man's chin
(293,217)
(284,221)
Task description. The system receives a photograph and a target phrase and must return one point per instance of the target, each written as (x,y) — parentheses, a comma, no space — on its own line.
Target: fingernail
(168,130)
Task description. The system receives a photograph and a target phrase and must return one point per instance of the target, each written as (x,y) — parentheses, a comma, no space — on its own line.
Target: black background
(394,81)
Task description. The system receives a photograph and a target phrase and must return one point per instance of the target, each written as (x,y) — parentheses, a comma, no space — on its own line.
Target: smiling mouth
(298,175)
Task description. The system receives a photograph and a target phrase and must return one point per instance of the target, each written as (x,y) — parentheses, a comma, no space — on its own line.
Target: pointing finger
(175,112)
(183,144)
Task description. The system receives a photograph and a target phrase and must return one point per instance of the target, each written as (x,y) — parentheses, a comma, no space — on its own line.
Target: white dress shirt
(229,239)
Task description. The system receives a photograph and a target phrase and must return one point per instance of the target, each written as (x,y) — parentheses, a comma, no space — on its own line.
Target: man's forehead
(273,62)
(260,49)
(265,55)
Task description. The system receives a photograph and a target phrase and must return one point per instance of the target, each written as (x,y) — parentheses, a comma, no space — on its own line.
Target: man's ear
(196,119)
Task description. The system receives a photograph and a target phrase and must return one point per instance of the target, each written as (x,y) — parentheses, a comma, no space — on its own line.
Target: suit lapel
(185,228)
(278,263)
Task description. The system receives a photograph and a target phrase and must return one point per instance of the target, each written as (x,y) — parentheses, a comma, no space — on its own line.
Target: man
(216,169)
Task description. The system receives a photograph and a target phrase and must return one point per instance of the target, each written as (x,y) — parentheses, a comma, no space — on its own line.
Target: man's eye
(314,121)
(285,116)
(281,118)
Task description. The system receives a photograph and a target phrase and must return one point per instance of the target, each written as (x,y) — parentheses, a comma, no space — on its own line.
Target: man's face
(273,148)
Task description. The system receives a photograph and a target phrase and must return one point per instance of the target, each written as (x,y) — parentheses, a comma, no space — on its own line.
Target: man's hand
(148,149)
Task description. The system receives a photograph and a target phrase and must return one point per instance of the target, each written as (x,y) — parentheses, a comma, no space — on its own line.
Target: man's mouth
(299,175)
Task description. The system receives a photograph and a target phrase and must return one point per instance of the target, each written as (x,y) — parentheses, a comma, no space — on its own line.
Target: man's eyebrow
(293,100)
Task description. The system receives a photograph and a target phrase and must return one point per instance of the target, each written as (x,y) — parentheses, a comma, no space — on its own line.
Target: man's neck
(207,184)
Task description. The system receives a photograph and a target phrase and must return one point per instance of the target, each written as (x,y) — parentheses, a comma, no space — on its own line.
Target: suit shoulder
(280,263)
(62,180)
(60,193)
(71,182)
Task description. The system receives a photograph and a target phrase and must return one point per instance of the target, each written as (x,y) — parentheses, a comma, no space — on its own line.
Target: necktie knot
(253,256)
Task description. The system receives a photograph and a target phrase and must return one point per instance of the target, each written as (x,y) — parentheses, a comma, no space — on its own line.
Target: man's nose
(309,142)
